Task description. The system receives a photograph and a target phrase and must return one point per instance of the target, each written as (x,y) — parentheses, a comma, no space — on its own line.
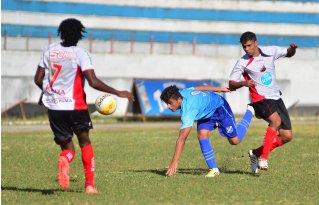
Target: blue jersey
(198,105)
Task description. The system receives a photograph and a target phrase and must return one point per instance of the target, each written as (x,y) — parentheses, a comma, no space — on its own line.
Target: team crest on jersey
(266,78)
(229,129)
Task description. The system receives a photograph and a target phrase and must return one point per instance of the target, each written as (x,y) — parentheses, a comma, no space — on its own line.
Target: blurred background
(145,45)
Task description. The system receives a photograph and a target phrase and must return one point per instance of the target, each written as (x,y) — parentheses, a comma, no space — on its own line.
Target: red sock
(88,164)
(268,140)
(69,154)
(276,143)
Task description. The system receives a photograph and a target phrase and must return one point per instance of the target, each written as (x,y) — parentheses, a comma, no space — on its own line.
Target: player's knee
(234,141)
(275,124)
(286,137)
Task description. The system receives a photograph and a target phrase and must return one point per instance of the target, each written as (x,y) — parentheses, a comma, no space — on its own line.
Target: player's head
(249,43)
(71,31)
(248,35)
(172,97)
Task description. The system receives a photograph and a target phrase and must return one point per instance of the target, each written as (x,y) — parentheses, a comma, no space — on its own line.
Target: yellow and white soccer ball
(105,104)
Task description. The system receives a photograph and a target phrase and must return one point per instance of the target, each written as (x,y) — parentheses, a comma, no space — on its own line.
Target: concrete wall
(298,77)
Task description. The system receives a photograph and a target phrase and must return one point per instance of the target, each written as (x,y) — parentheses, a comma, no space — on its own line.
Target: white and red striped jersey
(63,82)
(261,70)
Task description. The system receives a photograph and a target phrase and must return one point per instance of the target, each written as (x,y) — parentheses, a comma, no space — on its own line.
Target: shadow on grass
(43,191)
(238,172)
(195,171)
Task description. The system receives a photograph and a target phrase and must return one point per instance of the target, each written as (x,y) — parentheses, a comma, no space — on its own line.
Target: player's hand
(126,94)
(293,46)
(224,89)
(249,83)
(172,169)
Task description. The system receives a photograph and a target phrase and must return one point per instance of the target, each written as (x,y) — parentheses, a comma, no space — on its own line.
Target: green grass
(130,169)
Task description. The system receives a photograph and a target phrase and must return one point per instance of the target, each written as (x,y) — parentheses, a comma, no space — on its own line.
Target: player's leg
(204,128)
(62,136)
(82,125)
(243,124)
(267,109)
(65,159)
(227,125)
(285,130)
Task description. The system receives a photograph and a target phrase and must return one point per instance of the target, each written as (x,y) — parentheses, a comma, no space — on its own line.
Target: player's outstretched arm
(233,85)
(291,50)
(180,142)
(97,84)
(211,88)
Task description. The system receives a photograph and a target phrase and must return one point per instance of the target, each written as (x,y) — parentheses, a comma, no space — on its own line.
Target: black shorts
(264,108)
(64,123)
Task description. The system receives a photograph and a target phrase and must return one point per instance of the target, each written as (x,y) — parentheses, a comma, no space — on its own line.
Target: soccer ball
(105,104)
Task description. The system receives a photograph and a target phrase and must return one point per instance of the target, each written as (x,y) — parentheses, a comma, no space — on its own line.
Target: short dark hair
(247,36)
(71,31)
(170,92)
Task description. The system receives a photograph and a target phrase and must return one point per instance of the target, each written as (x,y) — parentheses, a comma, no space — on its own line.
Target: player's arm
(38,77)
(234,85)
(97,84)
(180,142)
(38,80)
(291,50)
(211,88)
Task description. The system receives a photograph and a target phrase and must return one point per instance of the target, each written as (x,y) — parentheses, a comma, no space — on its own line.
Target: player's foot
(253,161)
(251,109)
(63,172)
(90,190)
(263,164)
(213,172)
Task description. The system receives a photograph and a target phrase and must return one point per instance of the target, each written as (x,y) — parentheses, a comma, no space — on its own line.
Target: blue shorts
(223,118)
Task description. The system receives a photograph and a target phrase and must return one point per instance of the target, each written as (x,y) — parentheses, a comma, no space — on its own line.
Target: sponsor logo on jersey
(58,100)
(196,92)
(51,90)
(266,78)
(55,54)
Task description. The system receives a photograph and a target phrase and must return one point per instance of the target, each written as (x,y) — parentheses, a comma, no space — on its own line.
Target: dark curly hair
(170,92)
(247,36)
(71,31)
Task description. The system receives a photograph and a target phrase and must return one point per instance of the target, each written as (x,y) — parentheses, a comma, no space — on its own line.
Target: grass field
(130,169)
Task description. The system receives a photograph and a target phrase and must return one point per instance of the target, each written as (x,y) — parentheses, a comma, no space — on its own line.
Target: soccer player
(60,75)
(201,103)
(257,67)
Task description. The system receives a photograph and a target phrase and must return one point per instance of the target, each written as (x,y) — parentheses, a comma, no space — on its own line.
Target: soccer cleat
(213,172)
(263,164)
(253,161)
(63,172)
(90,190)
(251,109)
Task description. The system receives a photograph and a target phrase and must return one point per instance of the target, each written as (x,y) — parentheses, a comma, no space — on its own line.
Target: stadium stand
(201,35)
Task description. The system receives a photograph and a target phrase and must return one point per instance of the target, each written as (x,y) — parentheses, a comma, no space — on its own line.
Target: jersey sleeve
(85,60)
(276,51)
(237,72)
(43,63)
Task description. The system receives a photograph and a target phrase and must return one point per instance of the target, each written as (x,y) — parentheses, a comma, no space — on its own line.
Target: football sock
(208,152)
(243,125)
(268,141)
(276,143)
(69,154)
(88,164)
